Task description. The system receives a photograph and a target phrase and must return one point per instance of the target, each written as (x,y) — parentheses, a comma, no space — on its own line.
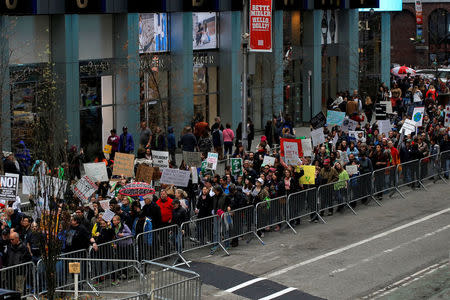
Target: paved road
(349,257)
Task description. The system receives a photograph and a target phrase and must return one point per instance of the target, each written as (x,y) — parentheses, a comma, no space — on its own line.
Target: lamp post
(245,36)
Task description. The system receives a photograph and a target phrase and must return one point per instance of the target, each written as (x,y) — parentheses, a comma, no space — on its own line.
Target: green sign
(204,170)
(236,166)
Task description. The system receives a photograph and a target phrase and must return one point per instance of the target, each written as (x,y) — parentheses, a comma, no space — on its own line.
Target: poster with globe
(418,115)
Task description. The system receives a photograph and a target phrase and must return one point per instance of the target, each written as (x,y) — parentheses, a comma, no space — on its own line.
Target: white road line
(278,294)
(370,258)
(362,242)
(243,285)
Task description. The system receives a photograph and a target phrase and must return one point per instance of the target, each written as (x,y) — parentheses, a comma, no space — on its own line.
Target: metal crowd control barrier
(444,158)
(272,212)
(360,188)
(331,195)
(20,278)
(237,223)
(157,244)
(430,168)
(302,204)
(386,179)
(408,173)
(199,233)
(163,282)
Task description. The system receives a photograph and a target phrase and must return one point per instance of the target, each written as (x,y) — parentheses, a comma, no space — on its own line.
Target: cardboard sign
(351,169)
(194,175)
(8,187)
(74,268)
(144,173)
(418,115)
(293,152)
(96,171)
(317,137)
(107,149)
(160,159)
(268,161)
(211,161)
(307,147)
(260,18)
(192,159)
(384,126)
(319,120)
(175,177)
(123,165)
(84,189)
(309,177)
(447,116)
(408,127)
(335,117)
(108,215)
(236,166)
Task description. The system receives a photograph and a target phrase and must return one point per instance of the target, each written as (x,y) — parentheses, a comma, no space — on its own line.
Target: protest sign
(96,171)
(408,127)
(123,164)
(144,173)
(291,150)
(8,187)
(108,215)
(353,135)
(318,120)
(175,177)
(160,159)
(192,159)
(351,169)
(268,161)
(335,139)
(236,166)
(388,106)
(335,117)
(194,175)
(384,126)
(317,137)
(107,149)
(306,147)
(309,177)
(418,115)
(84,189)
(447,116)
(204,169)
(211,161)
(344,156)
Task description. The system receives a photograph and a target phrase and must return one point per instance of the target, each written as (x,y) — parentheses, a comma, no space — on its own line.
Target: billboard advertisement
(204,29)
(153,33)
(260,25)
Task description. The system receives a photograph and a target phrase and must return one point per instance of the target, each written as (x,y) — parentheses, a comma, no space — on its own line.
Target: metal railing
(238,223)
(302,204)
(430,168)
(271,212)
(386,179)
(20,278)
(444,159)
(408,173)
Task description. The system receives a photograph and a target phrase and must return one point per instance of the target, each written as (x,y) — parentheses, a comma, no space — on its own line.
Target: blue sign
(386,5)
(335,117)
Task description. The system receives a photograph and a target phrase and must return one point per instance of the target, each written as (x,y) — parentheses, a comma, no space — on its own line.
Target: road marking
(406,281)
(362,242)
(370,258)
(243,285)
(278,294)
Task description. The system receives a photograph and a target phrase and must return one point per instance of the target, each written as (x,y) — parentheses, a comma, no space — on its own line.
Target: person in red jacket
(165,204)
(432,93)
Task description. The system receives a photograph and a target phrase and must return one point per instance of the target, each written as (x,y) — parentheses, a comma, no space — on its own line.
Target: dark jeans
(228,148)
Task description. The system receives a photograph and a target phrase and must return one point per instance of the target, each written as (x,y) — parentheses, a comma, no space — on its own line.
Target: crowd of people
(215,194)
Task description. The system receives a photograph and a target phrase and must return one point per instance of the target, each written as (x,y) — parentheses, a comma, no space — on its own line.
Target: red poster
(261,25)
(293,141)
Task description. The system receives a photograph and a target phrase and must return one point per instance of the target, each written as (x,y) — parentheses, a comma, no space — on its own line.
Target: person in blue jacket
(143,224)
(171,143)
(126,143)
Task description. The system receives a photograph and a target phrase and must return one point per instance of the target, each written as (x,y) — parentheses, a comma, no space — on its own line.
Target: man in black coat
(16,254)
(77,237)
(151,210)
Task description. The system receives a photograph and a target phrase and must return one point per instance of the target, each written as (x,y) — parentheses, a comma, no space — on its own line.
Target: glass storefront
(206,92)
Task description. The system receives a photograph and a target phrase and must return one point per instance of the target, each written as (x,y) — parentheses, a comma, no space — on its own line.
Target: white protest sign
(84,189)
(408,127)
(8,187)
(306,147)
(194,175)
(317,137)
(335,139)
(352,125)
(108,215)
(418,115)
(211,161)
(160,159)
(384,126)
(388,105)
(417,97)
(16,176)
(352,169)
(175,177)
(291,152)
(29,185)
(268,161)
(96,171)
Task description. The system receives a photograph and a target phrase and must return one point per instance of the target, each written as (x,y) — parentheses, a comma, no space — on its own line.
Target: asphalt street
(382,252)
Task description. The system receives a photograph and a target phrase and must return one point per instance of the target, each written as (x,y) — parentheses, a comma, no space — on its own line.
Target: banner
(236,166)
(419,12)
(335,117)
(123,165)
(160,159)
(319,120)
(84,189)
(291,150)
(418,115)
(175,177)
(260,25)
(192,159)
(8,187)
(96,171)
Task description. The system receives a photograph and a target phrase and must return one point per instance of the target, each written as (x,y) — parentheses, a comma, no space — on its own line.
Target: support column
(386,48)
(64,54)
(181,73)
(5,87)
(313,63)
(230,72)
(348,64)
(126,73)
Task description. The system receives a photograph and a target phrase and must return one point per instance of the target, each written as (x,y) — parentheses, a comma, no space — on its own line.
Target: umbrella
(136,189)
(402,71)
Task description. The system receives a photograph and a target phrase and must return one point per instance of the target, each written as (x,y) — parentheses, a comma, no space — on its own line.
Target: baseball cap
(260,180)
(326,162)
(263,138)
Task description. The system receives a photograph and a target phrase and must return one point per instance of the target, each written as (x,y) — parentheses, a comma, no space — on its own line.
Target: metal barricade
(157,244)
(444,158)
(199,233)
(272,212)
(20,278)
(331,195)
(384,180)
(237,223)
(302,204)
(408,173)
(360,188)
(430,168)
(164,282)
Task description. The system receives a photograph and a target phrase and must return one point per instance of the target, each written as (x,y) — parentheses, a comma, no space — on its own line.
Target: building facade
(121,62)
